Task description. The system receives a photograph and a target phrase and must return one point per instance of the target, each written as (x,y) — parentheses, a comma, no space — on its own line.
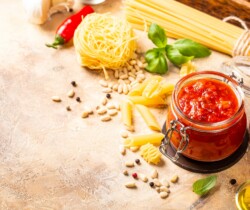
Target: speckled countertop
(54,159)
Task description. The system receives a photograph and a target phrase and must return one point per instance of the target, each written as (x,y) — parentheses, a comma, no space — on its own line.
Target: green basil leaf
(156,60)
(203,186)
(188,47)
(175,56)
(157,35)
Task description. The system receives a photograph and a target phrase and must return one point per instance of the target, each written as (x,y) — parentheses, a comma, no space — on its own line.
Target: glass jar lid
(239,69)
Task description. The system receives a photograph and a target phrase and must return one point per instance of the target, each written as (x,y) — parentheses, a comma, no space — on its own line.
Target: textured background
(54,159)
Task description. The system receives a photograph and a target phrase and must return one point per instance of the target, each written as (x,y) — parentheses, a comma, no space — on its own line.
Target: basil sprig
(181,51)
(203,186)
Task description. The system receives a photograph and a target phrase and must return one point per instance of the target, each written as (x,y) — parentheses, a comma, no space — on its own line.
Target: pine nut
(132,62)
(107,90)
(120,81)
(129,164)
(164,189)
(103,83)
(131,75)
(137,68)
(130,128)
(105,118)
(71,93)
(89,110)
(102,111)
(165,182)
(134,149)
(129,67)
(85,114)
(163,194)
(127,81)
(143,177)
(139,72)
(174,179)
(111,106)
(154,174)
(125,172)
(133,71)
(123,76)
(158,189)
(131,79)
(56,99)
(140,64)
(124,134)
(157,182)
(130,185)
(145,65)
(116,74)
(104,101)
(125,71)
(115,87)
(122,149)
(110,85)
(120,88)
(117,106)
(125,89)
(112,112)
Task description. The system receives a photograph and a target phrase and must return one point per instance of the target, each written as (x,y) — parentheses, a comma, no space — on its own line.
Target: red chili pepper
(65,31)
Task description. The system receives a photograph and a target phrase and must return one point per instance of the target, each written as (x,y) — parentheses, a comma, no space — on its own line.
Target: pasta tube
(148,117)
(155,101)
(126,110)
(154,138)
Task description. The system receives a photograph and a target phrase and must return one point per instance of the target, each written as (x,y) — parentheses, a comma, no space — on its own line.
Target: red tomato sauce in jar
(207,100)
(212,112)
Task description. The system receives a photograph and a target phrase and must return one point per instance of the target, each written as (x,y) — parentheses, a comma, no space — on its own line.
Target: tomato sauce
(207,100)
(213,113)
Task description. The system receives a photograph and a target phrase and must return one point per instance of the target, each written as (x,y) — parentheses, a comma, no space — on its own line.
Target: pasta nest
(103,41)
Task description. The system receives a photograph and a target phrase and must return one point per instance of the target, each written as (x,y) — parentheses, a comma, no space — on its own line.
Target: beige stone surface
(54,159)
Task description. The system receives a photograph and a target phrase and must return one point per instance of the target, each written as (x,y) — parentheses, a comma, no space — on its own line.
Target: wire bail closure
(166,141)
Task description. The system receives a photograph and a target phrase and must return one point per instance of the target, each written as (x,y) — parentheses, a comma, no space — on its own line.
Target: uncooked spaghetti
(103,41)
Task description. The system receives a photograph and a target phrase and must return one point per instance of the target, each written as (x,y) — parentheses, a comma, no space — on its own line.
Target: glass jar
(242,196)
(205,141)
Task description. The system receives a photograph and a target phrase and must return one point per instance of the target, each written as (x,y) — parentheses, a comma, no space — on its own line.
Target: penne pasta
(137,91)
(154,138)
(148,117)
(126,110)
(155,101)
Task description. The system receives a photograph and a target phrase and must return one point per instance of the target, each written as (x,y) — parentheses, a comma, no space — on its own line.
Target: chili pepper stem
(58,41)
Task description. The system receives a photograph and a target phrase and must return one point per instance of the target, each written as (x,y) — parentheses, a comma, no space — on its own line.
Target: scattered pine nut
(154,174)
(174,179)
(85,114)
(164,189)
(124,134)
(157,182)
(102,111)
(165,182)
(125,172)
(111,106)
(105,118)
(122,150)
(129,164)
(130,185)
(56,99)
(107,90)
(103,83)
(104,101)
(143,177)
(112,112)
(71,93)
(163,194)
(158,189)
(134,149)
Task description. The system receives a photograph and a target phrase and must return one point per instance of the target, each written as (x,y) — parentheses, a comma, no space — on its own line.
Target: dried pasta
(156,101)
(154,138)
(103,41)
(150,153)
(148,117)
(126,110)
(187,68)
